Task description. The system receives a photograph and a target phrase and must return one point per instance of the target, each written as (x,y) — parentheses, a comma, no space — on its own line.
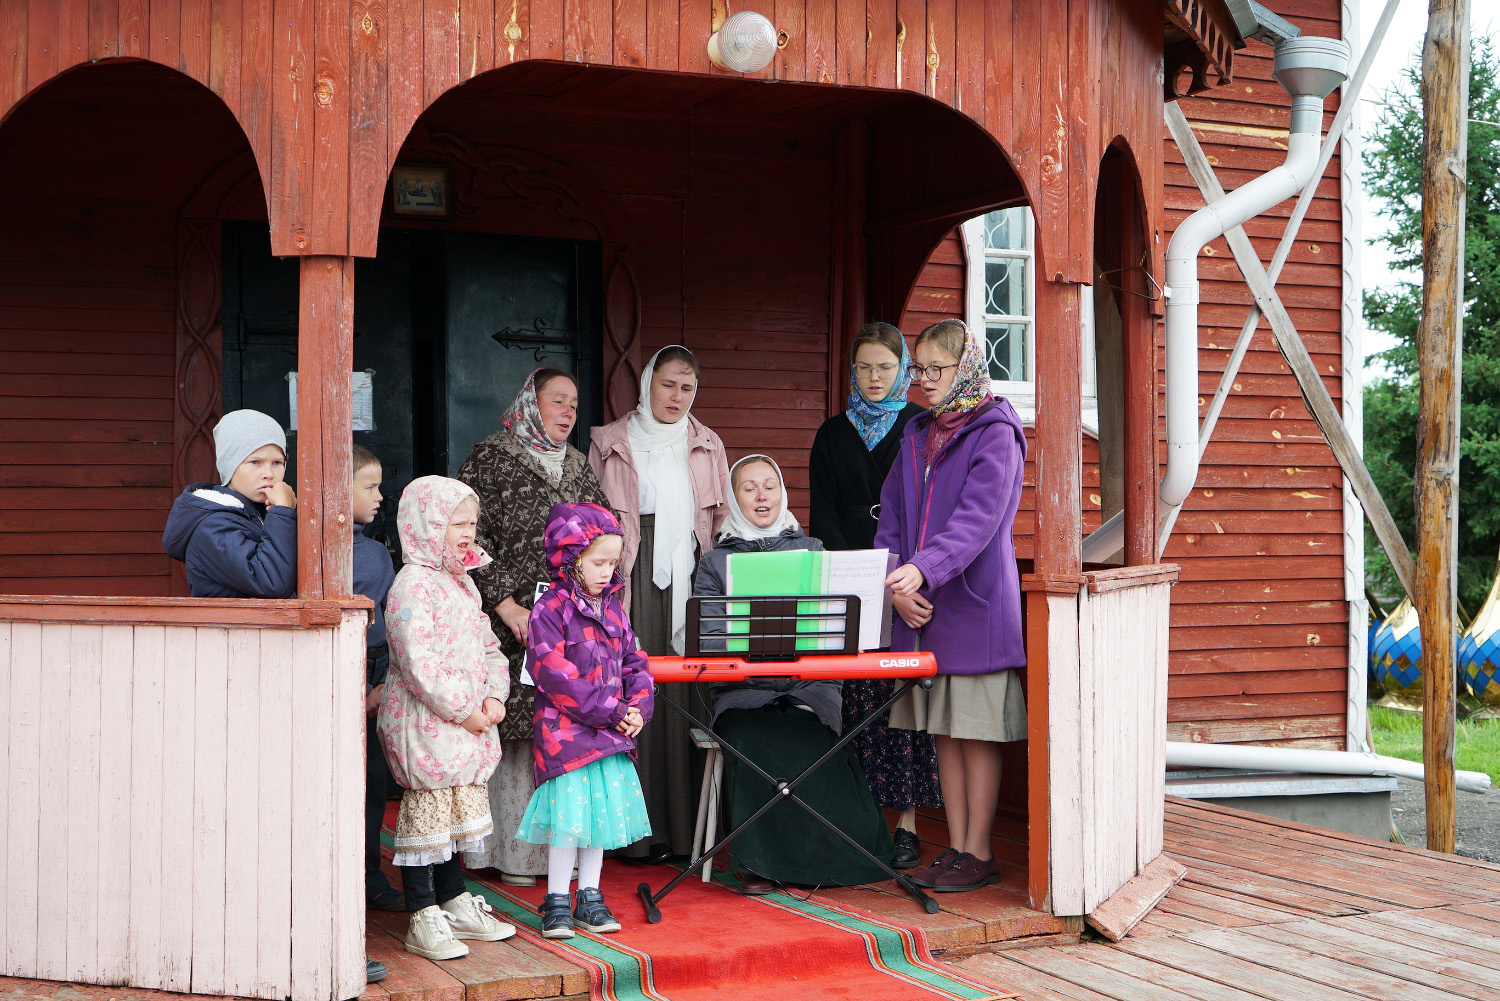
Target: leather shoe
(908,850)
(940,865)
(660,854)
(753,885)
(967,873)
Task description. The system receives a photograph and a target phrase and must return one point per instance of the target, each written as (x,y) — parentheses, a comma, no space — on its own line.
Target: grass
(1399,735)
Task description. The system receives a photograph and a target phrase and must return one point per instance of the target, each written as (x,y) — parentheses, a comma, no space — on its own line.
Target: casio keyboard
(778,636)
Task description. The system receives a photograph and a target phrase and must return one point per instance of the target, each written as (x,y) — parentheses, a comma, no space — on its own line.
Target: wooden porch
(1269,910)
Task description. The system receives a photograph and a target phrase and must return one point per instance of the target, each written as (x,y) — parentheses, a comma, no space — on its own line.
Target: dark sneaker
(591,914)
(374,972)
(924,877)
(967,873)
(557,916)
(908,850)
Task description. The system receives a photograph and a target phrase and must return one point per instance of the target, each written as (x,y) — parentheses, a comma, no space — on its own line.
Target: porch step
(513,970)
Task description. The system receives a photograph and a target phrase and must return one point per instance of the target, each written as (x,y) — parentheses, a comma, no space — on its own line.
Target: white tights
(560,862)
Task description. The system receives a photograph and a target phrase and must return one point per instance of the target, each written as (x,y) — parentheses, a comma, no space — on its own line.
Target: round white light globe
(745,43)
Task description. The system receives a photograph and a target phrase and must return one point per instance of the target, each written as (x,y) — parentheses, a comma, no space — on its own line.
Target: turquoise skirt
(597,806)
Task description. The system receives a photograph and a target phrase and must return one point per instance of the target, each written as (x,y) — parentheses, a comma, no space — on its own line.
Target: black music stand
(770,629)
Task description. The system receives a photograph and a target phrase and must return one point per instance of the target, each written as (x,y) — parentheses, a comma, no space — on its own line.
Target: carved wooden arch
(533,195)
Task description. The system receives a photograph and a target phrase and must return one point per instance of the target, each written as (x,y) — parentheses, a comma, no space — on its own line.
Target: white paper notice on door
(364,399)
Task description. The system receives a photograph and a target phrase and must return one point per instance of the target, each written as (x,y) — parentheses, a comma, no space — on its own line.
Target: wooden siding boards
(1259,622)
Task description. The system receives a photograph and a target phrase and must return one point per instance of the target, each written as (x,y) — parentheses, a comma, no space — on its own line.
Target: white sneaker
(473,918)
(431,937)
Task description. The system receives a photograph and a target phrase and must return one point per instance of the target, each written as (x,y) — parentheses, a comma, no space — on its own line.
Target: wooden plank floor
(1275,911)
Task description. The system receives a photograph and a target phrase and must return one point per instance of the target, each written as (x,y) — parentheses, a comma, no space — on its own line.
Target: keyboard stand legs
(786,791)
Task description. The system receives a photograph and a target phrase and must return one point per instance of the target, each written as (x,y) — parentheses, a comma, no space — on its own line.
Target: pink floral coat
(445,660)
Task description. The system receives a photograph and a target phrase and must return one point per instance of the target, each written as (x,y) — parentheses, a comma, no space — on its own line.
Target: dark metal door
(449,325)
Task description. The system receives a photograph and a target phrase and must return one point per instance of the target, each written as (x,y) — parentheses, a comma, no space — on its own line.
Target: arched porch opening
(120,174)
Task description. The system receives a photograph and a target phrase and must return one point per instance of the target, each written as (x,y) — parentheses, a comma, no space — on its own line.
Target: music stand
(784,636)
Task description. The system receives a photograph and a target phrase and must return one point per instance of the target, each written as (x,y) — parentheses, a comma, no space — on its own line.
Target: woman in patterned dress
(519,473)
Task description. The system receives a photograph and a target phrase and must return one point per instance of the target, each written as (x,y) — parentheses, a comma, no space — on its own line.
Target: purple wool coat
(953,523)
(588,666)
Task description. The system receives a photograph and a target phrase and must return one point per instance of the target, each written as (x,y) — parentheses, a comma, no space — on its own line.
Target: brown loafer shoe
(967,873)
(924,877)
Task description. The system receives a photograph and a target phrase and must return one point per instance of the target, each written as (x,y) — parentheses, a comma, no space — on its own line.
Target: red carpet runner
(716,945)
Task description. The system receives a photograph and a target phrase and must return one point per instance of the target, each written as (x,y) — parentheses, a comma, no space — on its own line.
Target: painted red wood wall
(90,322)
(1259,620)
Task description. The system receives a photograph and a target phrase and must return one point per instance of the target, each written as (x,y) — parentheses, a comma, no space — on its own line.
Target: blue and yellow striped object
(1479,651)
(1397,653)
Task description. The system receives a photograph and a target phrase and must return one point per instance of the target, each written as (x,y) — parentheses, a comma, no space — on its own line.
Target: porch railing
(183,794)
(1107,704)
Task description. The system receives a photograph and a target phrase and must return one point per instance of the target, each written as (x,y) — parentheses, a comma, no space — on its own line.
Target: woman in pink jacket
(667,480)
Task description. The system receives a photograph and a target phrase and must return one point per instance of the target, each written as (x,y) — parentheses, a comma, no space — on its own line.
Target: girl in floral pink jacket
(593,695)
(443,696)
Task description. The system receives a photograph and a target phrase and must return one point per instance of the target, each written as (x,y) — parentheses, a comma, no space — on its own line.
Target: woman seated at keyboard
(784,726)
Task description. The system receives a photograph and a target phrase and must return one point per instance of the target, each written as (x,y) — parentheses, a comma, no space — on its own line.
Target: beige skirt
(967,706)
(436,823)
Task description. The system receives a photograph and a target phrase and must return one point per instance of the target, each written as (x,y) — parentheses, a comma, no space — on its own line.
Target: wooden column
(325,363)
(1445,102)
(1059,445)
(1058,451)
(1139,380)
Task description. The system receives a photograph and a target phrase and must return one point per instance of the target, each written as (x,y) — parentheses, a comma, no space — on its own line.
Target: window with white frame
(1001,300)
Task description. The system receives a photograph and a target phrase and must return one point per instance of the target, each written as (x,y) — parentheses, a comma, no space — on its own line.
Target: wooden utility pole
(1445,107)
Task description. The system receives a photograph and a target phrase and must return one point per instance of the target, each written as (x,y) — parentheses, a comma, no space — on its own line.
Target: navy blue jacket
(233,547)
(373,576)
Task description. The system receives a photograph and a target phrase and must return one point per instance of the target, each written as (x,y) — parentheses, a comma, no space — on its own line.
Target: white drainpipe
(1310,69)
(1290,759)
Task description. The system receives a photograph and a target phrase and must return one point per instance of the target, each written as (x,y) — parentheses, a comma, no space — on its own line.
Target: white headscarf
(661,456)
(737,524)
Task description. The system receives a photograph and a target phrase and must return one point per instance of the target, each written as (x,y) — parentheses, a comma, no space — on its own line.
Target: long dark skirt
(900,764)
(786,844)
(669,765)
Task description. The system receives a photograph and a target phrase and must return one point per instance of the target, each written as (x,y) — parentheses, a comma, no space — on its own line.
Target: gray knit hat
(238,434)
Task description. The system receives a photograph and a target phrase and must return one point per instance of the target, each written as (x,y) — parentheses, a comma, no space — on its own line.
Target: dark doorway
(447,324)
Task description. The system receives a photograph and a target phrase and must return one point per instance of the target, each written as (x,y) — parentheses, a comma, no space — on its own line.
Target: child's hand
(494,709)
(477,723)
(281,495)
(515,618)
(372,700)
(915,610)
(632,723)
(905,579)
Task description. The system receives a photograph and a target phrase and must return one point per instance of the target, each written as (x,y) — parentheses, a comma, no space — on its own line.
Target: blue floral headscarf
(874,421)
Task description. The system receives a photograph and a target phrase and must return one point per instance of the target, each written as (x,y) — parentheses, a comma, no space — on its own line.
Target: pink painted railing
(184,787)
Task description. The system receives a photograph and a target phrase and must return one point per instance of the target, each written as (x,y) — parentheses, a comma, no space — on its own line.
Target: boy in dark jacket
(373,575)
(239,537)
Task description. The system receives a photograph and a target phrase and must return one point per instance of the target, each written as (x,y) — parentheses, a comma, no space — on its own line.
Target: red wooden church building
(209,204)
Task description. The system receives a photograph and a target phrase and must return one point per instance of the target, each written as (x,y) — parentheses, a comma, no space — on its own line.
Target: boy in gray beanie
(238,538)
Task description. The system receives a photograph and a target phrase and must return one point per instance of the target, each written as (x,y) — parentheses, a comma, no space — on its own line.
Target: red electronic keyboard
(808,667)
(775,634)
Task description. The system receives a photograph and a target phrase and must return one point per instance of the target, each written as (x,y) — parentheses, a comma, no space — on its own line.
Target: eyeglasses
(933,372)
(861,369)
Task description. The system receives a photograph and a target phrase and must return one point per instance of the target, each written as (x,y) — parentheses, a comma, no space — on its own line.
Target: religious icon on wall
(420,190)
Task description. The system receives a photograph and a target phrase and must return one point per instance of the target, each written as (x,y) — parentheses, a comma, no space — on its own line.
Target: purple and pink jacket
(587,664)
(953,522)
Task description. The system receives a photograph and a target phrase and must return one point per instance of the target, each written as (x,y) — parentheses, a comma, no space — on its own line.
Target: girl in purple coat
(946,509)
(593,695)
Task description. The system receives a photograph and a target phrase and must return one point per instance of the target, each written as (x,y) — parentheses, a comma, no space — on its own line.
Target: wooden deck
(1270,910)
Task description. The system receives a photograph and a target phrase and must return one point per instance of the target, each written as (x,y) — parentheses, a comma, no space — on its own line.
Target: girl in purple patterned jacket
(593,695)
